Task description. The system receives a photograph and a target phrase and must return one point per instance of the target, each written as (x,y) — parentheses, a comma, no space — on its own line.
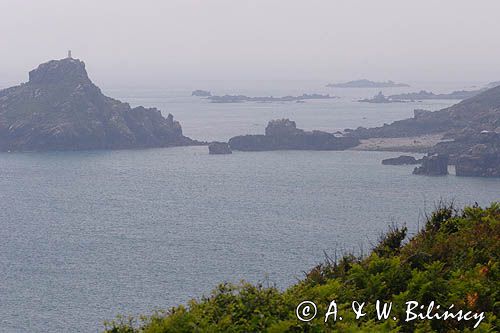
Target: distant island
(243,98)
(201,93)
(283,134)
(425,95)
(380,98)
(59,108)
(367,84)
(457,94)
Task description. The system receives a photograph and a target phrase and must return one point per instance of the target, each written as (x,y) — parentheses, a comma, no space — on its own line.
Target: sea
(87,236)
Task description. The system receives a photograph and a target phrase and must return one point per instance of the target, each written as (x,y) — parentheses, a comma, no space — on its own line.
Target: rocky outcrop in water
(433,165)
(380,98)
(283,134)
(59,108)
(401,160)
(219,148)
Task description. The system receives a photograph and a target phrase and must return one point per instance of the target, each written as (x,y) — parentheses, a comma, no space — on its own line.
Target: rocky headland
(59,108)
(469,133)
(283,134)
(367,84)
(476,114)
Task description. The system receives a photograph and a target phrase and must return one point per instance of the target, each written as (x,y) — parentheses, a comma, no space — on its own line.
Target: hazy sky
(148,42)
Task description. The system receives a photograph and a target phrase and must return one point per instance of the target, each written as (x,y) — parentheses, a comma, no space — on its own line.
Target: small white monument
(69,54)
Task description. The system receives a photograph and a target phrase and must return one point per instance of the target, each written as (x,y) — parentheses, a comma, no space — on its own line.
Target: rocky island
(201,93)
(380,98)
(283,134)
(59,108)
(219,148)
(266,99)
(367,84)
(427,95)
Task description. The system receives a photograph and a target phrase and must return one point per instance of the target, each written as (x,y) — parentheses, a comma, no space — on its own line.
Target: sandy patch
(408,144)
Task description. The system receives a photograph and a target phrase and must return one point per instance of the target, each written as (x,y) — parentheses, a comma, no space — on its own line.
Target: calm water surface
(89,235)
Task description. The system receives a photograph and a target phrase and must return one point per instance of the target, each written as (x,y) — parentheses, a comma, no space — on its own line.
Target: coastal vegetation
(452,260)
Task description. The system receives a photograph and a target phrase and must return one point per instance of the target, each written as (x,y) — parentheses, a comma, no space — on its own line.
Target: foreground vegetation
(452,260)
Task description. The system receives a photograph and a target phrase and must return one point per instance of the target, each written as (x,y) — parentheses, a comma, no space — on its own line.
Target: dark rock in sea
(61,109)
(433,165)
(367,84)
(380,98)
(401,160)
(284,135)
(201,93)
(266,99)
(219,148)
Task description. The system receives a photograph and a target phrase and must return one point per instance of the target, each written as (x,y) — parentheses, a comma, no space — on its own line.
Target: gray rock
(380,98)
(201,93)
(401,160)
(482,160)
(219,148)
(283,134)
(433,165)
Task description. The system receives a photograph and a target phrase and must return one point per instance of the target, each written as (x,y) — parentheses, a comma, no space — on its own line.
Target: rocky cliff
(59,108)
(283,134)
(433,165)
(482,159)
(481,112)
